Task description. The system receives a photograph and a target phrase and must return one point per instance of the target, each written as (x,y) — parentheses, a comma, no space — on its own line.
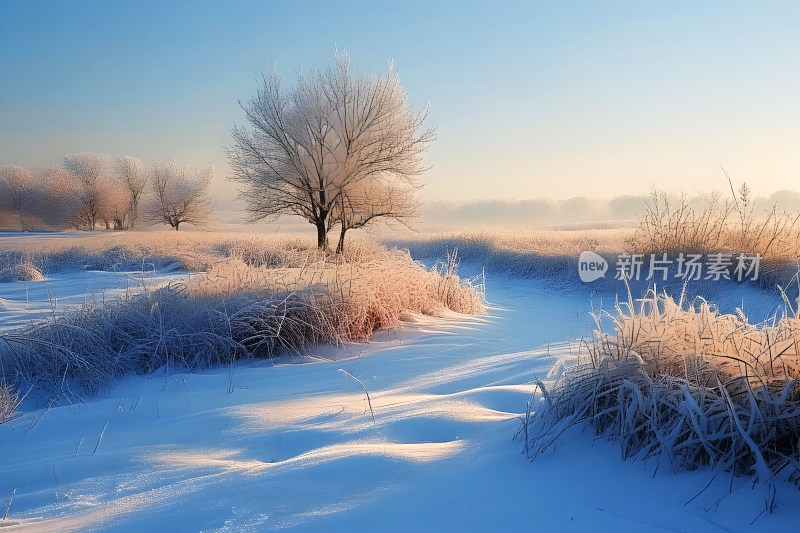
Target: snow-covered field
(299,445)
(25,301)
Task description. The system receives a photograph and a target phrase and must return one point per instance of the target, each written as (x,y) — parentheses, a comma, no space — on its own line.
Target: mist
(577,212)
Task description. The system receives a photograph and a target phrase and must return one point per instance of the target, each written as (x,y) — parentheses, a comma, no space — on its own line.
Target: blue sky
(532,99)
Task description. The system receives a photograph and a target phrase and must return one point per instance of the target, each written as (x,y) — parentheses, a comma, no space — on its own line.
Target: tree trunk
(322,235)
(340,246)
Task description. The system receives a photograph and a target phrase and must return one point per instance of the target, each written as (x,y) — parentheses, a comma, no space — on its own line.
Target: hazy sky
(555,99)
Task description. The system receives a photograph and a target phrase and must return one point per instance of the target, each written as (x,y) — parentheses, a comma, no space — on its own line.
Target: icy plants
(683,385)
(235,310)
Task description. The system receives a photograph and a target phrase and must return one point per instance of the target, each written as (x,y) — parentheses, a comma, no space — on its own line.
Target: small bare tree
(313,150)
(94,172)
(132,173)
(181,194)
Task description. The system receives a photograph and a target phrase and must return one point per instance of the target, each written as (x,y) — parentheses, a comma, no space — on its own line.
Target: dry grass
(9,401)
(24,271)
(522,254)
(546,242)
(283,297)
(370,289)
(665,333)
(193,251)
(712,225)
(685,385)
(675,225)
(672,225)
(715,225)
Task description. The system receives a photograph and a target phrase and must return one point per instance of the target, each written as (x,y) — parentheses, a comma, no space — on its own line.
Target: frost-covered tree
(133,175)
(115,204)
(95,174)
(60,202)
(16,186)
(181,194)
(314,149)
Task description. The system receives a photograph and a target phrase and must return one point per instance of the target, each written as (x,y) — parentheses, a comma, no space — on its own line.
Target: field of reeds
(672,224)
(684,385)
(252,297)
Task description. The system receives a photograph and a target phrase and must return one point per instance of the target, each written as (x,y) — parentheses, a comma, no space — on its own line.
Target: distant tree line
(94,191)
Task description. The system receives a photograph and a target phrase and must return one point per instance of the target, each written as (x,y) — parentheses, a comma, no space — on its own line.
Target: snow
(295,445)
(24,301)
